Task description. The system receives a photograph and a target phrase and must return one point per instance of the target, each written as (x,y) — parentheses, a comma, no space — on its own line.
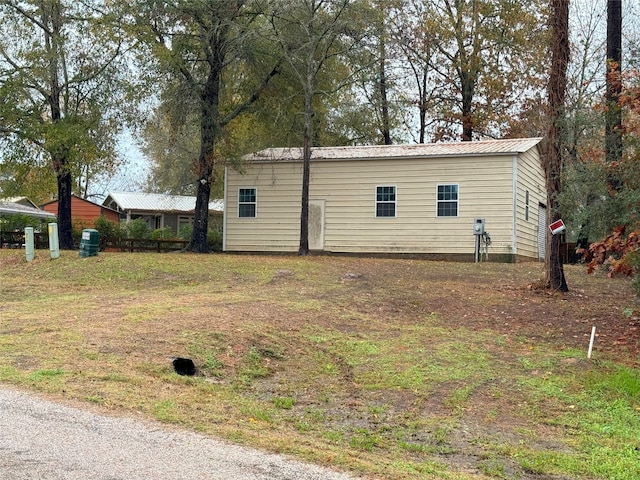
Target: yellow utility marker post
(54,245)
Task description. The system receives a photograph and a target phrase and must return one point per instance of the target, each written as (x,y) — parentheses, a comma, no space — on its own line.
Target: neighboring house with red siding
(84,213)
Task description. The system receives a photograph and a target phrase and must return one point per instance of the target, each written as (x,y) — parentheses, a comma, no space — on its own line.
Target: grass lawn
(388,368)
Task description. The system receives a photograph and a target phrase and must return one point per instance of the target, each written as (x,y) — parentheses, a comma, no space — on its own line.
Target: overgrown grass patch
(396,368)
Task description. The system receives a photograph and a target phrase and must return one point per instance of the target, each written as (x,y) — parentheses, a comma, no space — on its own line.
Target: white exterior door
(316,224)
(542,232)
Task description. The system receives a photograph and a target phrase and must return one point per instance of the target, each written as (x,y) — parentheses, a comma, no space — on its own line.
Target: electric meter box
(478,226)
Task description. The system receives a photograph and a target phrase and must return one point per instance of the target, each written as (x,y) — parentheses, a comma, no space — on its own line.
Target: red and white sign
(557,227)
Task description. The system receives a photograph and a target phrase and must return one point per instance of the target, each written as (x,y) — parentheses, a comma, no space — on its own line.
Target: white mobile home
(411,199)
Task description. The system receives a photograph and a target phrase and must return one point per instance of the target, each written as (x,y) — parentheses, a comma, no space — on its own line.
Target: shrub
(18,222)
(214,239)
(619,254)
(162,234)
(138,229)
(106,227)
(184,232)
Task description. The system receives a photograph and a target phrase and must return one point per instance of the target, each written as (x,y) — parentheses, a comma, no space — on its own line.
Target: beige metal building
(407,199)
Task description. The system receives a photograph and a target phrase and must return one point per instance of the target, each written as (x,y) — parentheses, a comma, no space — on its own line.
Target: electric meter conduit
(478,232)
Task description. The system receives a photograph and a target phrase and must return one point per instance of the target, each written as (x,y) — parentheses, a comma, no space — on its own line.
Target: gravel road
(42,440)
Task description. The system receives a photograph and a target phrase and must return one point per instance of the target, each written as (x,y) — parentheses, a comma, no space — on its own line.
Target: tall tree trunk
(206,160)
(468,73)
(556,136)
(422,108)
(52,21)
(209,118)
(613,135)
(467,80)
(384,101)
(65,226)
(198,242)
(306,164)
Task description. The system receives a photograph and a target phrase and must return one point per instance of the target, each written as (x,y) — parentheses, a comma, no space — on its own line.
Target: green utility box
(89,242)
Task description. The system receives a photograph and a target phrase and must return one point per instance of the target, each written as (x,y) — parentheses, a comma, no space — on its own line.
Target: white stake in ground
(593,337)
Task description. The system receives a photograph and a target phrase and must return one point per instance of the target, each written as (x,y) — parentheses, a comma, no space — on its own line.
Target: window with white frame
(247,200)
(386,201)
(447,200)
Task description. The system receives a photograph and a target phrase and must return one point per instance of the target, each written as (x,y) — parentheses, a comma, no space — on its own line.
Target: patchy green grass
(393,368)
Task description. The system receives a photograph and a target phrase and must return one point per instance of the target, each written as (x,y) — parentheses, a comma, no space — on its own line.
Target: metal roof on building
(423,150)
(21,201)
(13,208)
(157,202)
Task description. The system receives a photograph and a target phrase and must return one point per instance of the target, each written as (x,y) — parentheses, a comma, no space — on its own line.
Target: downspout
(224,211)
(514,235)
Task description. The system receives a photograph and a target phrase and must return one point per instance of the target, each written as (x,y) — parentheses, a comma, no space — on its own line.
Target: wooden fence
(136,245)
(41,241)
(16,240)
